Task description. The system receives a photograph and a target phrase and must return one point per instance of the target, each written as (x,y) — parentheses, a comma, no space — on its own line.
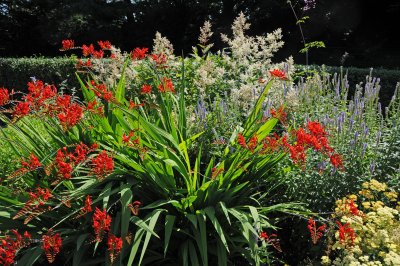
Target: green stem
(301,29)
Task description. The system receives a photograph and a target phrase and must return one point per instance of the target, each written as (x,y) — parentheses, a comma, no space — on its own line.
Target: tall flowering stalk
(102,165)
(52,244)
(101,224)
(114,245)
(315,232)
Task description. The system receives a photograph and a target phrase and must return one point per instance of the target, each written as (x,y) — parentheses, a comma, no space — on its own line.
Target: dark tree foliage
(364,29)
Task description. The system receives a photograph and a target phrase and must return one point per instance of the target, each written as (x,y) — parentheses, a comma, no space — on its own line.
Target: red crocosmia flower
(9,246)
(52,244)
(271,240)
(4,96)
(166,85)
(280,114)
(349,207)
(86,208)
(136,141)
(98,54)
(63,101)
(311,137)
(253,142)
(216,172)
(107,95)
(159,59)
(270,144)
(279,74)
(102,165)
(347,234)
(94,146)
(32,164)
(336,161)
(88,204)
(66,161)
(316,129)
(35,205)
(87,50)
(27,235)
(316,233)
(80,153)
(139,53)
(62,163)
(145,89)
(353,208)
(242,141)
(101,223)
(70,116)
(297,153)
(39,93)
(264,236)
(81,64)
(22,109)
(88,63)
(91,106)
(104,45)
(133,105)
(101,91)
(114,246)
(67,44)
(127,138)
(134,206)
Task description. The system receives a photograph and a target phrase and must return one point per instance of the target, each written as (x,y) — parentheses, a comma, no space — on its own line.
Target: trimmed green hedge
(16,72)
(388,78)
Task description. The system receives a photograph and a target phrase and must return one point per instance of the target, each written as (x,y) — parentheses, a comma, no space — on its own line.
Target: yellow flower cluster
(376,225)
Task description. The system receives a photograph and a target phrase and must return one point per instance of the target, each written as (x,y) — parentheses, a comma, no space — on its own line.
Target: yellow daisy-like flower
(325,260)
(391,195)
(377,186)
(366,193)
(366,204)
(352,197)
(377,204)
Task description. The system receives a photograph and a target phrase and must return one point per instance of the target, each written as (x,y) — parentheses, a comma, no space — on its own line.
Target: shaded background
(367,30)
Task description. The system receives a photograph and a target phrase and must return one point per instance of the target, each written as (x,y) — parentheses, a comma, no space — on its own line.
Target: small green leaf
(169,225)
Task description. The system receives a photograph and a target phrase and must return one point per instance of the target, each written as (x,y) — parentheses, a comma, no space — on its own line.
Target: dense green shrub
(15,72)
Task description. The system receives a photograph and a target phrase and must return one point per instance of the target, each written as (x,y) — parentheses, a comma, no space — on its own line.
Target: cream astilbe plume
(162,45)
(205,33)
(249,58)
(109,72)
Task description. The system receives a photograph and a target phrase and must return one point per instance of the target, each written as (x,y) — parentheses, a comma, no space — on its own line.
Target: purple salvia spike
(372,167)
(366,131)
(351,123)
(352,143)
(365,145)
(378,137)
